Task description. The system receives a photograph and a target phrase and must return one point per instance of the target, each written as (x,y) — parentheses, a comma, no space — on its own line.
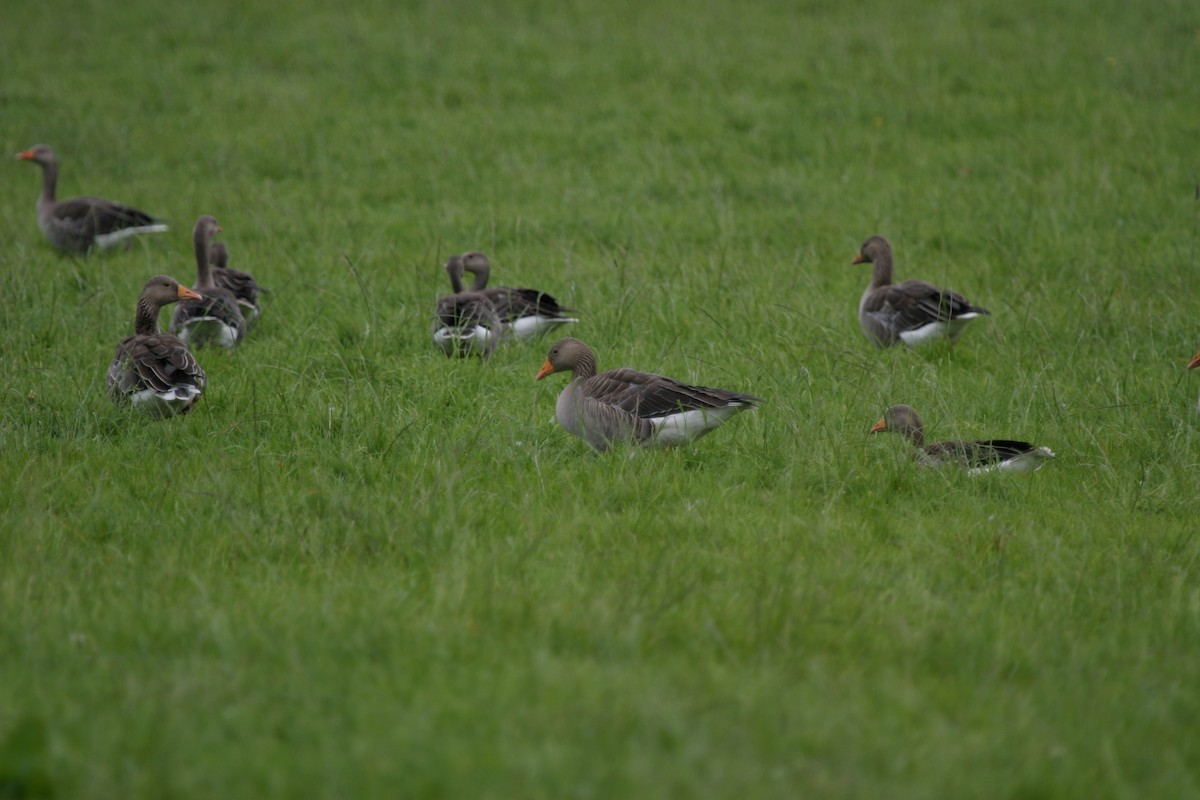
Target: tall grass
(362,569)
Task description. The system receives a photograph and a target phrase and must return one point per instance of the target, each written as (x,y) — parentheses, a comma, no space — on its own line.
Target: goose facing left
(625,405)
(152,370)
(78,224)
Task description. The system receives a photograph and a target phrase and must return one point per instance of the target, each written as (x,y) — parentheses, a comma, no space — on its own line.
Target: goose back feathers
(78,224)
(625,405)
(977,456)
(913,312)
(526,313)
(240,284)
(155,371)
(215,319)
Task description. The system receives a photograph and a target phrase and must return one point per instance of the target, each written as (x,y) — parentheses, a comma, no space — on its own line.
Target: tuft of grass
(359,568)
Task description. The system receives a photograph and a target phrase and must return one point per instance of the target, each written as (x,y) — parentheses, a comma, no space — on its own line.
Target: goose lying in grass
(527,313)
(216,319)
(913,312)
(155,371)
(976,456)
(466,322)
(81,223)
(624,405)
(240,284)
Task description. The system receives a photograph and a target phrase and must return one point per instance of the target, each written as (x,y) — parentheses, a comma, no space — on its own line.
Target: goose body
(625,405)
(526,313)
(216,319)
(240,284)
(154,371)
(78,224)
(988,455)
(912,312)
(1193,364)
(466,322)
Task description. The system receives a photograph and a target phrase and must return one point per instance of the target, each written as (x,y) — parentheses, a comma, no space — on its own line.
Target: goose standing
(624,405)
(155,371)
(528,313)
(466,322)
(913,312)
(240,284)
(80,223)
(976,456)
(215,319)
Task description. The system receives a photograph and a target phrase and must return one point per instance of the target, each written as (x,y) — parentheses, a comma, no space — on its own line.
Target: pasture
(361,569)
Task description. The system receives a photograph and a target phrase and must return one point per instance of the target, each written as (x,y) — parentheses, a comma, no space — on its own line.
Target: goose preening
(976,456)
(80,223)
(466,322)
(240,284)
(155,371)
(913,312)
(624,405)
(526,313)
(215,319)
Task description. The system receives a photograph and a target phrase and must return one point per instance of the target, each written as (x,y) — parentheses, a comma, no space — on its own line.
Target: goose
(624,405)
(155,371)
(215,319)
(466,322)
(977,456)
(913,312)
(240,284)
(526,313)
(80,223)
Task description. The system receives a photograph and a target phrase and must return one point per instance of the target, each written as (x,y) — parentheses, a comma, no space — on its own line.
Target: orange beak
(27,155)
(879,426)
(858,259)
(187,294)
(546,369)
(1195,362)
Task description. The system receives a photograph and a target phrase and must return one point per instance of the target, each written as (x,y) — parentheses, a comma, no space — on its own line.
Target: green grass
(361,569)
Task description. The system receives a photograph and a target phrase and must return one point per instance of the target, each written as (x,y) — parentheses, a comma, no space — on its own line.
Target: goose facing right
(78,224)
(913,312)
(625,405)
(1006,455)
(152,370)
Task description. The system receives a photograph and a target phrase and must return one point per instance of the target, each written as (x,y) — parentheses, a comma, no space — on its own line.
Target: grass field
(360,569)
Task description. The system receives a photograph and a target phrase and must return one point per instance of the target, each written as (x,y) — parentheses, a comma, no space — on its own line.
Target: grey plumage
(216,319)
(978,455)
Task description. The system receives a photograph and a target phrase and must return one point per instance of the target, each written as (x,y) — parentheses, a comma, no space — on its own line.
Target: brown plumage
(240,284)
(977,456)
(216,319)
(80,223)
(913,312)
(625,405)
(153,370)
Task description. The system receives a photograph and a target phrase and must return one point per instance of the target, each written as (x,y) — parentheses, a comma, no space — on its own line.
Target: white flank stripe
(106,240)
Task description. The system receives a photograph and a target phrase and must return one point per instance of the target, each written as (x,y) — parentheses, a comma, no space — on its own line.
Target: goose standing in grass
(215,319)
(624,405)
(913,312)
(155,371)
(976,456)
(240,284)
(80,223)
(466,322)
(527,313)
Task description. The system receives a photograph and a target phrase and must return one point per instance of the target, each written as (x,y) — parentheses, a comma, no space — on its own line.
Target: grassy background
(360,569)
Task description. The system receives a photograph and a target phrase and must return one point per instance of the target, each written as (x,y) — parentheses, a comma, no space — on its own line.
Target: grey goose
(240,284)
(152,370)
(1006,455)
(215,319)
(625,405)
(466,323)
(913,312)
(81,223)
(526,313)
